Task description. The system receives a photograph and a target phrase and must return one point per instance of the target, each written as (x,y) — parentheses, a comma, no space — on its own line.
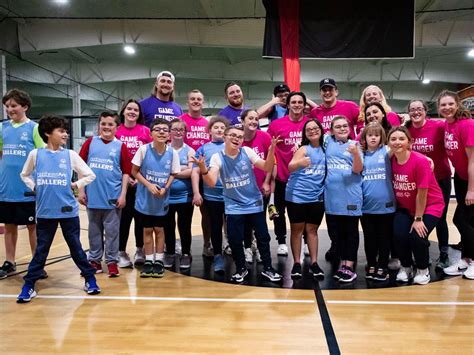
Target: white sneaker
(422,277)
(457,268)
(124,260)
(405,274)
(248,255)
(282,250)
(139,258)
(469,273)
(394,264)
(306,250)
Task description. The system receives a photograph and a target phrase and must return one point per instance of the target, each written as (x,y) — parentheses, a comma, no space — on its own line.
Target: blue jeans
(45,230)
(407,242)
(235,233)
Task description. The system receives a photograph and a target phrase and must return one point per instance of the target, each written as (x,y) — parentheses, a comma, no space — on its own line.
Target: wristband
(418,218)
(207,171)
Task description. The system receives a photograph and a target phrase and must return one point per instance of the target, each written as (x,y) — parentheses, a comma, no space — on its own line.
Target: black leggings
(464,218)
(347,235)
(216,217)
(129,213)
(185,216)
(280,204)
(378,233)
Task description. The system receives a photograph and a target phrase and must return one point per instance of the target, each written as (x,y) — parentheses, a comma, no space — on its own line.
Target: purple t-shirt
(153,108)
(232,114)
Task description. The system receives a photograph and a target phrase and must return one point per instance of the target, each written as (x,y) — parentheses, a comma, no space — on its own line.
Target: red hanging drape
(290,39)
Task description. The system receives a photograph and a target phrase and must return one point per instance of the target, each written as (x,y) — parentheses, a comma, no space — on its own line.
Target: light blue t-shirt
(377,183)
(181,189)
(208,150)
(342,188)
(306,185)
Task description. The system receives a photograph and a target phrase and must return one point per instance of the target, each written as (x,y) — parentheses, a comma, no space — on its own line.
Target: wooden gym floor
(183,314)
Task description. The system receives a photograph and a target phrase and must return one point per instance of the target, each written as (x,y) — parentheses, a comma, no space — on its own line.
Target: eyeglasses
(417,109)
(235,136)
(313,129)
(180,130)
(160,129)
(341,127)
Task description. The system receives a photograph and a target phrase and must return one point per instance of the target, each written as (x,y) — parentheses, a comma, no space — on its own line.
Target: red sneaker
(113,270)
(97,266)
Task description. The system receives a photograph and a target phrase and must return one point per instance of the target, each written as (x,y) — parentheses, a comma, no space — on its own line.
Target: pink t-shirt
(457,136)
(393,119)
(133,138)
(260,145)
(196,134)
(413,175)
(290,133)
(429,140)
(345,108)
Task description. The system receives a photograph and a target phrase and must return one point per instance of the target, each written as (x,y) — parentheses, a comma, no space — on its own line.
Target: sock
(159,256)
(149,257)
(271,201)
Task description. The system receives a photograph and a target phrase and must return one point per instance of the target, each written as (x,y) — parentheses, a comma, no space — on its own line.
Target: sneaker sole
(93,292)
(271,278)
(125,266)
(317,275)
(348,280)
(114,275)
(296,276)
(158,276)
(145,276)
(455,273)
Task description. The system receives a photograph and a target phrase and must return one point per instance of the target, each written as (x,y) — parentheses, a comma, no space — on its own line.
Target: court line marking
(237,300)
(403,303)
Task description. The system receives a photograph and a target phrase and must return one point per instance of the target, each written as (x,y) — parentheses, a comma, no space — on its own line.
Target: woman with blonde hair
(371,94)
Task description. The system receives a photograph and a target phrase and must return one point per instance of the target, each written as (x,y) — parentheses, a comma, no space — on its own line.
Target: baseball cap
(281,88)
(327,82)
(166,73)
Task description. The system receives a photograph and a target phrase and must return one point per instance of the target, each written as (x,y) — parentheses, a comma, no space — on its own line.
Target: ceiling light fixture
(130,50)
(61,2)
(426,81)
(471,53)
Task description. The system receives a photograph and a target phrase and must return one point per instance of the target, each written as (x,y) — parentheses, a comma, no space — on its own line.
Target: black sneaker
(44,275)
(240,276)
(347,275)
(316,270)
(147,270)
(7,269)
(158,269)
(381,275)
(272,275)
(296,271)
(443,261)
(370,273)
(339,272)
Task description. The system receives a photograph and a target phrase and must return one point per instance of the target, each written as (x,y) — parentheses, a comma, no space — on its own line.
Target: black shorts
(311,213)
(18,213)
(148,221)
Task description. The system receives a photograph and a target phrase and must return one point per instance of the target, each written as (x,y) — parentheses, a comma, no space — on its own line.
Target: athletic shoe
(282,250)
(422,277)
(139,258)
(44,275)
(271,274)
(158,269)
(272,212)
(258,258)
(96,266)
(124,260)
(370,273)
(443,261)
(91,286)
(339,272)
(405,274)
(381,275)
(169,260)
(315,270)
(7,269)
(147,270)
(456,246)
(306,250)
(248,255)
(469,273)
(219,263)
(239,276)
(347,275)
(457,268)
(26,294)
(296,272)
(185,261)
(227,250)
(113,270)
(394,264)
(207,251)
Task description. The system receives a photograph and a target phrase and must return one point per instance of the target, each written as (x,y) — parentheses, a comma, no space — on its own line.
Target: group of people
(150,162)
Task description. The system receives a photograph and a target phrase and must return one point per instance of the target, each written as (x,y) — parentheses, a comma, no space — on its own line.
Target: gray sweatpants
(104,229)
